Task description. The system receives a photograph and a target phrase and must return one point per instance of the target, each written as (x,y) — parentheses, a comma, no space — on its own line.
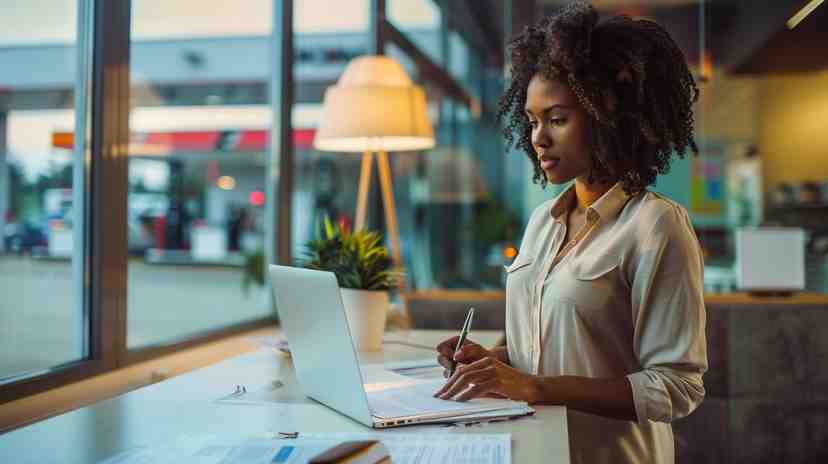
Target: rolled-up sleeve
(669,320)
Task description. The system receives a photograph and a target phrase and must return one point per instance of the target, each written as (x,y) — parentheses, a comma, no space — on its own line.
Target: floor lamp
(374,108)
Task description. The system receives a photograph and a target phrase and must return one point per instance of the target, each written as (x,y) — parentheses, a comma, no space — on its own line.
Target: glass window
(459,57)
(421,22)
(40,220)
(316,17)
(452,188)
(199,129)
(325,184)
(453,221)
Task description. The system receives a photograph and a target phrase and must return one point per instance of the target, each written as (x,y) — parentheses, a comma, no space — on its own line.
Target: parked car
(25,237)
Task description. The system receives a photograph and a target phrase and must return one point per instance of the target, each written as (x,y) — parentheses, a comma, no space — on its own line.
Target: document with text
(405,448)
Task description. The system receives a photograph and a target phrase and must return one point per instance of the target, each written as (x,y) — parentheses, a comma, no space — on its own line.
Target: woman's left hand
(486,377)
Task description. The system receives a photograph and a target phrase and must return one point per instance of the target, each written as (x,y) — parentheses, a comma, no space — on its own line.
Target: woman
(604,302)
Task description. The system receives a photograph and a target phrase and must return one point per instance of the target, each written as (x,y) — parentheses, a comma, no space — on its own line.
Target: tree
(17,188)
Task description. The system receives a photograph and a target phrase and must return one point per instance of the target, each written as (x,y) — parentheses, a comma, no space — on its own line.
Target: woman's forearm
(604,397)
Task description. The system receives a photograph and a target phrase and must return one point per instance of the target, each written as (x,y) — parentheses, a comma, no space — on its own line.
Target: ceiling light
(801,14)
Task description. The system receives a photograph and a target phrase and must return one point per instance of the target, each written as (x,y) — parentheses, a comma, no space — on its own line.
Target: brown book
(354,452)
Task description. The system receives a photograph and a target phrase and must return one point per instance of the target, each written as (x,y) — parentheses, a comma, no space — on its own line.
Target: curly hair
(628,75)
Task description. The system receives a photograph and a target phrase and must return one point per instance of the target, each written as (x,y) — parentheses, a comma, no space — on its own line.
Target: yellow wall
(793,128)
(727,109)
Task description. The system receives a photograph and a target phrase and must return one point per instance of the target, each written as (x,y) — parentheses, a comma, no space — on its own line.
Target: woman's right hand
(467,354)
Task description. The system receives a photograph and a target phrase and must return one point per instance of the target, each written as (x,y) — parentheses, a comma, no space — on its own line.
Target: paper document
(378,377)
(391,394)
(417,369)
(410,448)
(404,449)
(382,376)
(417,398)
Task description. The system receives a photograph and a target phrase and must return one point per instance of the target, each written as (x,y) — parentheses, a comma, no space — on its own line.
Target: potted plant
(253,271)
(365,273)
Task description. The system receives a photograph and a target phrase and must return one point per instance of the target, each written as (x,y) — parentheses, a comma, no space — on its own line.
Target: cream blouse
(624,299)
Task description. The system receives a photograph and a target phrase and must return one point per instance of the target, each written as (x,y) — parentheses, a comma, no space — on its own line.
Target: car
(25,237)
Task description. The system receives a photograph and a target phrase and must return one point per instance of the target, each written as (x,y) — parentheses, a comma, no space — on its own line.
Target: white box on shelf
(770,259)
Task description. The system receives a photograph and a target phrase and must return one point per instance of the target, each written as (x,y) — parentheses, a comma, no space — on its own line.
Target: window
(41,190)
(177,162)
(325,184)
(446,196)
(199,135)
(459,52)
(421,22)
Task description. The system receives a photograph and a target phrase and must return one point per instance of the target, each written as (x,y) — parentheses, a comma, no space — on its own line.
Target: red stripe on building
(199,141)
(183,141)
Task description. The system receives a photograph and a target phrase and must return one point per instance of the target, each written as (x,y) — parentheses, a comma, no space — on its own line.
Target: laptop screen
(312,315)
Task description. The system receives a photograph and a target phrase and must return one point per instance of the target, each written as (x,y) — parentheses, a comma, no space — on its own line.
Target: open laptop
(327,367)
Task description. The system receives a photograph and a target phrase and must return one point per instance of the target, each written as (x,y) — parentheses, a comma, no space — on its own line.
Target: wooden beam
(435,73)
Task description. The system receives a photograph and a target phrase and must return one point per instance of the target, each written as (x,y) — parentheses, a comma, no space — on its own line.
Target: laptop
(327,367)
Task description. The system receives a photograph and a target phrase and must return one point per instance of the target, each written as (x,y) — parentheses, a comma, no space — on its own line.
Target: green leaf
(358,259)
(329,228)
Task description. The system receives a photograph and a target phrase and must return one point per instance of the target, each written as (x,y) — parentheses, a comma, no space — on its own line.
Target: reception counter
(767,385)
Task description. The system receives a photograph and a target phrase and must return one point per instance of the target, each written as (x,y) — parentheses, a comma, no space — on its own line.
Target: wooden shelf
(798,207)
(800,298)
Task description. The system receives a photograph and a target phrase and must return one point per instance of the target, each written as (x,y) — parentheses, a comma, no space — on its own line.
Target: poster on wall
(707,185)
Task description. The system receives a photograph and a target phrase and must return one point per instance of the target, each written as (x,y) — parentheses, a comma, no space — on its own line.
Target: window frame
(97,83)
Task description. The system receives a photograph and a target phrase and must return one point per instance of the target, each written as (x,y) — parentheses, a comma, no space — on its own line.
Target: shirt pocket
(519,281)
(588,268)
(594,285)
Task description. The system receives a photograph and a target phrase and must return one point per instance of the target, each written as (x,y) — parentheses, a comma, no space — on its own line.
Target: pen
(464,332)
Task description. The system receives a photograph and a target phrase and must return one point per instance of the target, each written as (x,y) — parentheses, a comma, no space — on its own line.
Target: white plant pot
(366,311)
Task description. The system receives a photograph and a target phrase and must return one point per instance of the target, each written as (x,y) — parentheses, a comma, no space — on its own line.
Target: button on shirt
(623,299)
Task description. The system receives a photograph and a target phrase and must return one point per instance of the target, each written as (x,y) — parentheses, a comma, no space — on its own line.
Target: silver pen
(464,332)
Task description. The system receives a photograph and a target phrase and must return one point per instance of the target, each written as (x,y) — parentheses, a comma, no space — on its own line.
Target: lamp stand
(387,201)
(364,187)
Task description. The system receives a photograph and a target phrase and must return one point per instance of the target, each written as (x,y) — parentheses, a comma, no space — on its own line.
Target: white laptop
(328,370)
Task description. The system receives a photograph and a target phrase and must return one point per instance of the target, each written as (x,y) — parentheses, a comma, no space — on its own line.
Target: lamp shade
(374,106)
